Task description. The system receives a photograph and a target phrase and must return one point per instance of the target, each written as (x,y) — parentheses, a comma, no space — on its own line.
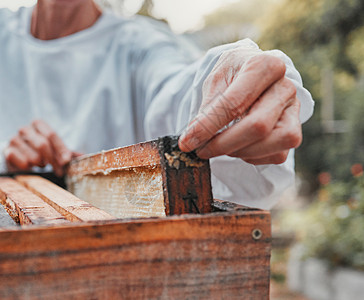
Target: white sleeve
(177,101)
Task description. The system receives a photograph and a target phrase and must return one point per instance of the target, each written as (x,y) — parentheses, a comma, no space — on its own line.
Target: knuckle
(289,87)
(36,122)
(35,159)
(50,135)
(255,61)
(14,141)
(274,64)
(293,138)
(269,63)
(12,158)
(42,144)
(260,128)
(23,131)
(23,165)
(280,158)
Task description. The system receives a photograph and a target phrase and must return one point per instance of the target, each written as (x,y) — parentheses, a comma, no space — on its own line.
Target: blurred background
(318,226)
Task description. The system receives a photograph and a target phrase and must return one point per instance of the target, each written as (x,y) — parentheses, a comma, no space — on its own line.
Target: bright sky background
(182,15)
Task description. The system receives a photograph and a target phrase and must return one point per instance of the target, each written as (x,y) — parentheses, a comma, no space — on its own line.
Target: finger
(258,124)
(61,153)
(255,77)
(286,135)
(38,142)
(33,158)
(16,159)
(76,154)
(58,170)
(276,159)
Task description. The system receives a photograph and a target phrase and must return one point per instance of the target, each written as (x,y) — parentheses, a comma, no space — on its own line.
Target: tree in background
(232,22)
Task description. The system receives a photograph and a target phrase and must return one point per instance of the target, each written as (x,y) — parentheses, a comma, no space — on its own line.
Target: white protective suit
(120,82)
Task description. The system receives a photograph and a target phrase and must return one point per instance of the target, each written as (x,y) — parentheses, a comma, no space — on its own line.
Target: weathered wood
(212,256)
(173,182)
(5,219)
(186,180)
(125,182)
(220,205)
(140,155)
(25,207)
(71,207)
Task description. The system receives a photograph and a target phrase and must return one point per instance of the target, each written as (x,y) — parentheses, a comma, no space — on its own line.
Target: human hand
(37,145)
(249,110)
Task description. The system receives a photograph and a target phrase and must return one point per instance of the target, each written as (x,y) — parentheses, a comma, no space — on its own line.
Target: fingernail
(189,144)
(183,142)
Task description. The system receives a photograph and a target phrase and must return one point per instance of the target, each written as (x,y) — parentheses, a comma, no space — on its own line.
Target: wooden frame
(186,183)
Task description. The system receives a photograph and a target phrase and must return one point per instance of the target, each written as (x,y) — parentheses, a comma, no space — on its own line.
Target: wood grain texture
(124,194)
(186,180)
(26,207)
(183,180)
(71,207)
(212,256)
(220,205)
(134,156)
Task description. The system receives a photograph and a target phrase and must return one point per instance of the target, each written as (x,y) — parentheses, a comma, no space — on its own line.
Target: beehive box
(182,245)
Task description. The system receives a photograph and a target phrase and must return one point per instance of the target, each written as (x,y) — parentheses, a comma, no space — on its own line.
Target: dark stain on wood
(186,179)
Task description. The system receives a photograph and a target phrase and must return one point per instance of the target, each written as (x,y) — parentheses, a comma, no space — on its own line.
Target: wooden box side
(212,256)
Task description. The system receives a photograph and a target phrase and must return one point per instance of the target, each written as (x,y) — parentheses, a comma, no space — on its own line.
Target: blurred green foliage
(332,228)
(321,35)
(239,12)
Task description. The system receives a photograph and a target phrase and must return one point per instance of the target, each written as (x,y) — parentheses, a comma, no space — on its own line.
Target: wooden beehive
(193,248)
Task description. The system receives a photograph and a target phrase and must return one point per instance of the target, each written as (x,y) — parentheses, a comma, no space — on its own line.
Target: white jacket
(120,82)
